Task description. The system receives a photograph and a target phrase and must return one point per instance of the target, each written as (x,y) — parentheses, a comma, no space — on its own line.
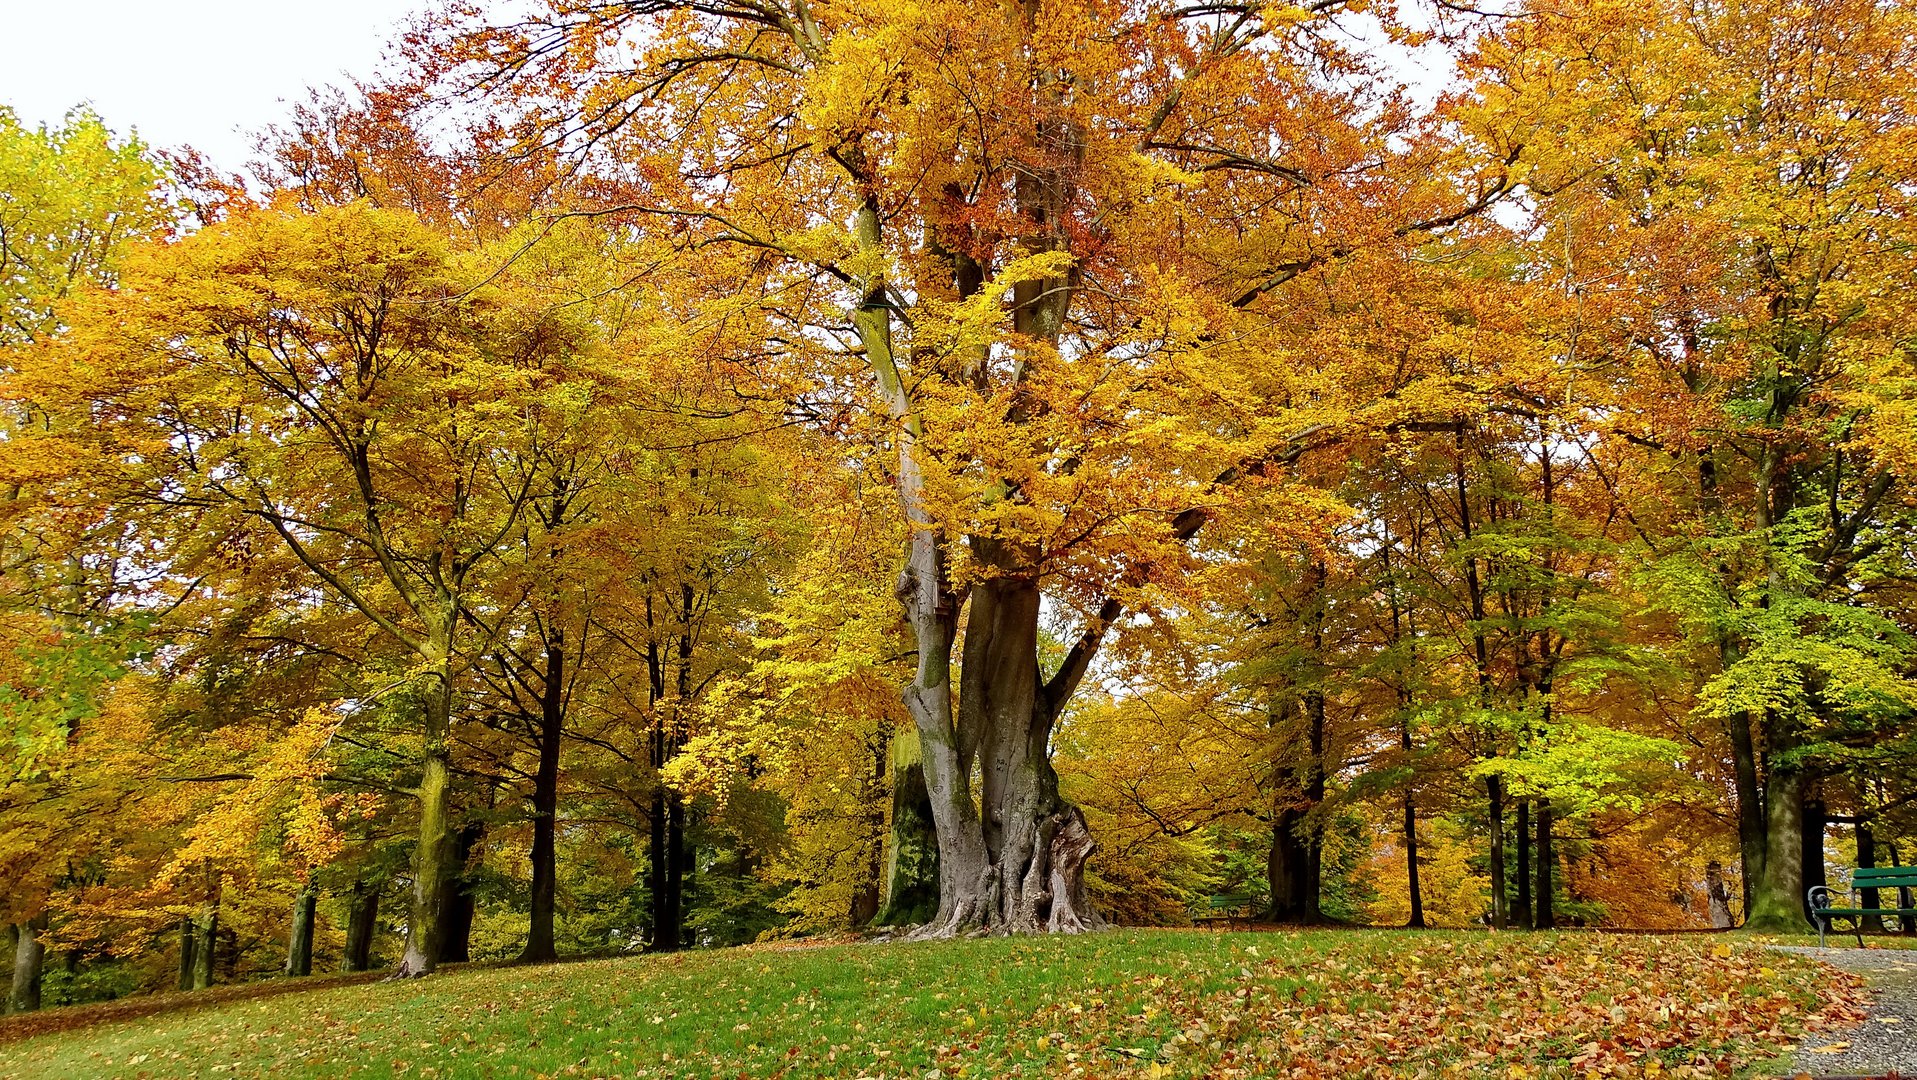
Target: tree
(1041,237)
(230,365)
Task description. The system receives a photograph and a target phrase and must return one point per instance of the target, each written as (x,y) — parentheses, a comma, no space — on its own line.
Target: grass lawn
(1129,1003)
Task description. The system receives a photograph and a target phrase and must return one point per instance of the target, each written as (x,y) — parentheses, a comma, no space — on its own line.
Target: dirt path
(1885,1042)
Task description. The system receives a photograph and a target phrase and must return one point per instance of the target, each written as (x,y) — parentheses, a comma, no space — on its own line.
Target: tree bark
(29,961)
(362,919)
(1285,866)
(912,850)
(432,858)
(678,868)
(1750,801)
(457,904)
(299,944)
(205,949)
(1777,901)
(1494,802)
(1717,895)
(1546,916)
(1814,871)
(1416,921)
(1521,911)
(665,936)
(188,942)
(540,945)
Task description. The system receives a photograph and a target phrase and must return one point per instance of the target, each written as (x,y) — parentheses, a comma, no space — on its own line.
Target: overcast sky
(205,73)
(195,72)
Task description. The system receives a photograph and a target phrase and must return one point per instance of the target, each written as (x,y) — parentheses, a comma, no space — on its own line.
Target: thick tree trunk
(912,850)
(1777,901)
(432,857)
(299,943)
(540,946)
(206,948)
(362,919)
(1814,871)
(457,904)
(1546,915)
(1285,865)
(1521,911)
(29,960)
(1014,860)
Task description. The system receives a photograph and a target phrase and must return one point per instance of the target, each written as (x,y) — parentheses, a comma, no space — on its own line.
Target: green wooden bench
(1822,899)
(1227,908)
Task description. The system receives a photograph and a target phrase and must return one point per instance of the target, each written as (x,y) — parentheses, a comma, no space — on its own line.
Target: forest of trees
(660,474)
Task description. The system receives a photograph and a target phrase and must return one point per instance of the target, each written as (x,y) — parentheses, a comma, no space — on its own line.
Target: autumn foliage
(648,475)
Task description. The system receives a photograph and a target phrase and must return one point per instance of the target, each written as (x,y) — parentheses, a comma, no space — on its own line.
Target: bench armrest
(1821,897)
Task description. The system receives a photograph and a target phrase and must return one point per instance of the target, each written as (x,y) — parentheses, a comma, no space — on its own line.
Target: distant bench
(1822,899)
(1228,908)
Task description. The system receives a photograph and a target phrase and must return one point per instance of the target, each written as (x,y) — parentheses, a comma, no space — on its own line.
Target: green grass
(1141,1003)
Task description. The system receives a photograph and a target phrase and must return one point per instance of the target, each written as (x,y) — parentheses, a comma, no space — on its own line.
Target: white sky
(207,73)
(195,72)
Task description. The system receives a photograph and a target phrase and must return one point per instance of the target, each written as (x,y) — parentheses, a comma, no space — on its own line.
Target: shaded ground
(1888,1039)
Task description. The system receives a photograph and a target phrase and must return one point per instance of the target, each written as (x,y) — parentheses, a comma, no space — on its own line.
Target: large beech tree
(1041,246)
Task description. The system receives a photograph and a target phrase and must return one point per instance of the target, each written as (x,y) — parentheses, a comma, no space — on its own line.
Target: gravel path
(1888,1040)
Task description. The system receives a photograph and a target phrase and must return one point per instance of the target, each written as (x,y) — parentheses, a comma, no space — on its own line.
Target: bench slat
(1865,911)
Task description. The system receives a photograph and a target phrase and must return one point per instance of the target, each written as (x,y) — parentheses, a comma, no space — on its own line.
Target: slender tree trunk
(540,946)
(664,935)
(1314,778)
(1312,887)
(1405,744)
(362,918)
(299,943)
(29,960)
(1411,863)
(1546,900)
(678,869)
(1521,912)
(1866,859)
(1481,656)
(1494,802)
(188,942)
(1751,839)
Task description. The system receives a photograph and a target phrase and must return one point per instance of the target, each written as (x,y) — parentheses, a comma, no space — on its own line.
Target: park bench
(1227,908)
(1822,899)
